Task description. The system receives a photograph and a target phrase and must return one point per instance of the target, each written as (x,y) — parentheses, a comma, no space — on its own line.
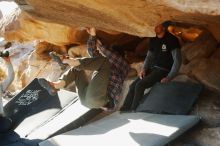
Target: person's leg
(129,98)
(68,77)
(92,64)
(96,95)
(80,79)
(155,76)
(84,63)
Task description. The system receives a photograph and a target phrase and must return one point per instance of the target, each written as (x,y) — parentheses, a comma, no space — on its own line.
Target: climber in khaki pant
(93,93)
(104,88)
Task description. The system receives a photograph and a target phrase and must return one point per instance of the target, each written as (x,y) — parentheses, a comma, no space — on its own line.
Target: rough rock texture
(202,60)
(137,17)
(37,67)
(208,72)
(21,27)
(203,46)
(43,49)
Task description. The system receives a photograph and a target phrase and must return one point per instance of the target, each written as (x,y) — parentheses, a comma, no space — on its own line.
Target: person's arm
(94,43)
(148,60)
(91,45)
(10,75)
(177,60)
(147,63)
(104,51)
(176,54)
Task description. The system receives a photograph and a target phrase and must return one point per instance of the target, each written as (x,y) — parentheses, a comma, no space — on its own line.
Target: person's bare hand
(165,80)
(91,31)
(142,74)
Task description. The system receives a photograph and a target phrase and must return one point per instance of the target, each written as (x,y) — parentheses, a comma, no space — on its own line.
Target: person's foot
(56,58)
(110,106)
(46,85)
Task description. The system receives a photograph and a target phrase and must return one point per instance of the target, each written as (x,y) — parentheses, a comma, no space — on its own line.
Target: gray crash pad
(170,98)
(127,129)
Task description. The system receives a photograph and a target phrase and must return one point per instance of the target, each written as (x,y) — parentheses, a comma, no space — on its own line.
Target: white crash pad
(127,129)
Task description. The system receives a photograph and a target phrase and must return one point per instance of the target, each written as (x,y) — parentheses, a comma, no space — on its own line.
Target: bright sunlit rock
(7,7)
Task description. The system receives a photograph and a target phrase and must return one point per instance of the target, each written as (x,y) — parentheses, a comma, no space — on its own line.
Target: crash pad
(170,98)
(127,129)
(33,106)
(36,115)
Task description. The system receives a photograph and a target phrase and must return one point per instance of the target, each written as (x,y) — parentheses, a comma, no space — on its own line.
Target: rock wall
(19,26)
(136,17)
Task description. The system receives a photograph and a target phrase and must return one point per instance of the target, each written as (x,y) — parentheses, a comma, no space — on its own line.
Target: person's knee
(105,61)
(94,102)
(133,84)
(140,85)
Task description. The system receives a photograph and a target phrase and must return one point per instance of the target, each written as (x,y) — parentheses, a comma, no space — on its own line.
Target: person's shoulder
(171,36)
(153,39)
(173,41)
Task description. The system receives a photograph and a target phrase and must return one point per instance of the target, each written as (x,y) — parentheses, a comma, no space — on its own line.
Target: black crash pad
(33,106)
(170,98)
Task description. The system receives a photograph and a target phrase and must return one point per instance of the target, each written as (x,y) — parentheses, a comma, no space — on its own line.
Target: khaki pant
(92,94)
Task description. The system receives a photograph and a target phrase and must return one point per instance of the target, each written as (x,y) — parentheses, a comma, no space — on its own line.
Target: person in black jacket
(161,64)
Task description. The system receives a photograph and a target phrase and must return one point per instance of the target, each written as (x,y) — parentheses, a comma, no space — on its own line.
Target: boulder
(216,54)
(43,48)
(184,78)
(38,67)
(202,47)
(187,68)
(22,27)
(207,71)
(133,17)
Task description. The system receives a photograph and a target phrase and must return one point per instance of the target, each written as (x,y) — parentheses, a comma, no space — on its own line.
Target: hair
(166,24)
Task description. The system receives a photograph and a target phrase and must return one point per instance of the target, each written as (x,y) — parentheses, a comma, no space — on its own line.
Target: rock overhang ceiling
(136,17)
(61,22)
